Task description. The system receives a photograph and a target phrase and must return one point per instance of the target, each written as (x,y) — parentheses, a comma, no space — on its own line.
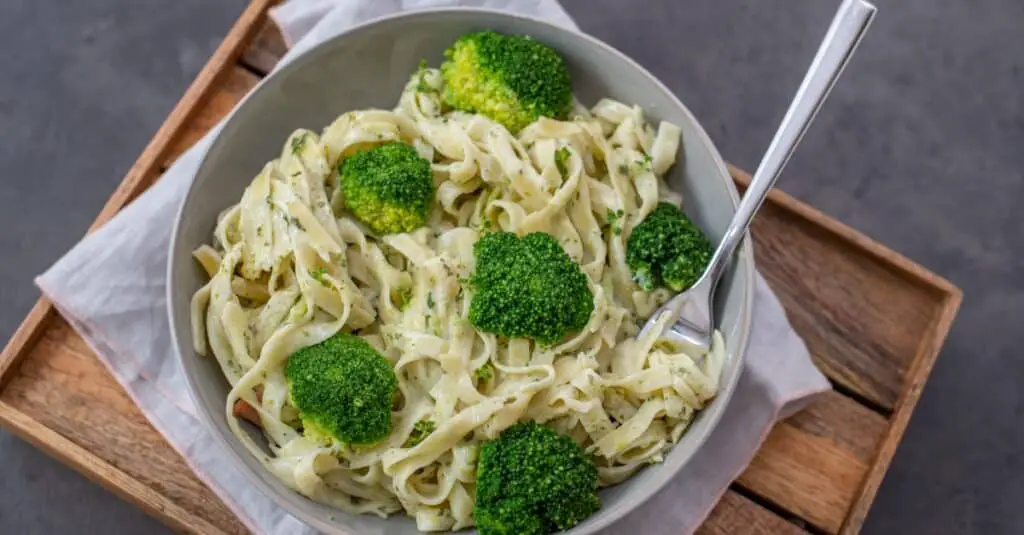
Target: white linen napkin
(111,289)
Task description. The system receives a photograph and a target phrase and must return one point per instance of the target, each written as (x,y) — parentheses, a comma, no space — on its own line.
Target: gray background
(921,146)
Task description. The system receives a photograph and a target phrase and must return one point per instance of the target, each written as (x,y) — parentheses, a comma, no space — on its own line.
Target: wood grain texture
(737,515)
(233,85)
(64,388)
(864,344)
(862,316)
(98,471)
(24,338)
(906,285)
(914,384)
(267,49)
(873,320)
(812,464)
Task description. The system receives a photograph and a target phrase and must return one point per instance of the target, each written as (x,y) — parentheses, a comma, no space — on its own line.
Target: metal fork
(693,308)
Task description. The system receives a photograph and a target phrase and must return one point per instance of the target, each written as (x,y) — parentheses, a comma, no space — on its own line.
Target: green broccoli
(510,78)
(533,481)
(528,288)
(343,390)
(389,187)
(667,249)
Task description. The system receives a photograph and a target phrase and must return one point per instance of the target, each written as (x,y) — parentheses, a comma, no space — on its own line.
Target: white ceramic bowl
(368,66)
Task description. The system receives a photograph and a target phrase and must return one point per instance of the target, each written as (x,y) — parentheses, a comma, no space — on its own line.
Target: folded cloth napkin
(111,289)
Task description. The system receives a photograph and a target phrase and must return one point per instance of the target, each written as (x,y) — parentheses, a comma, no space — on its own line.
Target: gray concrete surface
(921,146)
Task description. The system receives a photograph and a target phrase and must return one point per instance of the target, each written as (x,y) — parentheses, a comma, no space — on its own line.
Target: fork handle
(847,29)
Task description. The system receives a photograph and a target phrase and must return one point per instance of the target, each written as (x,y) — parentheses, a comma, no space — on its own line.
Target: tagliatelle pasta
(289,268)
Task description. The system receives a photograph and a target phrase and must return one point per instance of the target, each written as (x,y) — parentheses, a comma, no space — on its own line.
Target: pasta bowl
(367,67)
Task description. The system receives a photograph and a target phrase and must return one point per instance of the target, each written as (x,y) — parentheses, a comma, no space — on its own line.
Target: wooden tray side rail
(873,320)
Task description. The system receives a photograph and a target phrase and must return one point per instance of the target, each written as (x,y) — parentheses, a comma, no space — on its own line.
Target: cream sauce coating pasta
(289,268)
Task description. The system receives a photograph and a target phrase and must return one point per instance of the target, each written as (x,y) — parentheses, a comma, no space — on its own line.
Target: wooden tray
(873,320)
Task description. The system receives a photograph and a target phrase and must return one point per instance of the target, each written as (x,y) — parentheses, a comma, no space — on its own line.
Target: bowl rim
(745,267)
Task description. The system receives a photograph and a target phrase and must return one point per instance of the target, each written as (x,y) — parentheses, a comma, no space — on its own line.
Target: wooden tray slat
(234,83)
(812,463)
(737,515)
(63,386)
(872,319)
(862,342)
(266,49)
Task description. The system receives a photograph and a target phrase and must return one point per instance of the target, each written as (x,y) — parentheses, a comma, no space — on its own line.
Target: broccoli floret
(533,481)
(510,78)
(389,187)
(343,389)
(667,249)
(528,288)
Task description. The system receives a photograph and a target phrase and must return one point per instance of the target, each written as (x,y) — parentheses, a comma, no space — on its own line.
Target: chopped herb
(259,231)
(644,163)
(420,431)
(296,223)
(298,143)
(561,158)
(404,298)
(623,169)
(614,219)
(318,275)
(430,300)
(422,86)
(484,372)
(297,173)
